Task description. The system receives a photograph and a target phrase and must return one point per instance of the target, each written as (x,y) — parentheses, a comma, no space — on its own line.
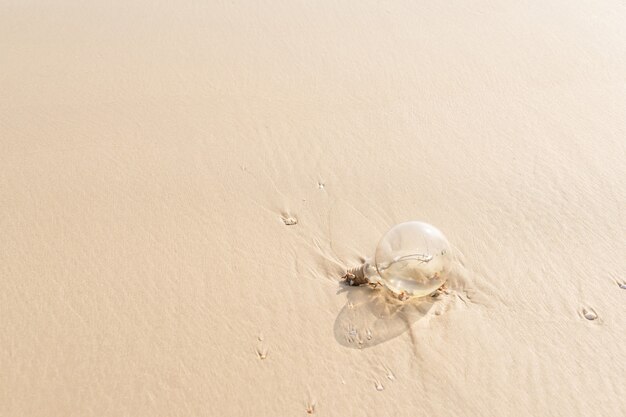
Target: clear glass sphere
(413,259)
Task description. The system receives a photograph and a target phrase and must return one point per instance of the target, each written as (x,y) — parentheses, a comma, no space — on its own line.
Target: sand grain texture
(151,155)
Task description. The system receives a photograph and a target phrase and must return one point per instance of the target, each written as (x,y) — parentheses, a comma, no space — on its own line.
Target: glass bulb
(413,259)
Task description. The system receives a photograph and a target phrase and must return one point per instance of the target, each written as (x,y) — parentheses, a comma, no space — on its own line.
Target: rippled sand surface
(183,183)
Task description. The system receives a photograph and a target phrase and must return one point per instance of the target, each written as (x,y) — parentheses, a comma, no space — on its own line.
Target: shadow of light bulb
(371,317)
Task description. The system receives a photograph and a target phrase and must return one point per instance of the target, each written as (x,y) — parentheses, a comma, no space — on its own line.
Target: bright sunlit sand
(183,185)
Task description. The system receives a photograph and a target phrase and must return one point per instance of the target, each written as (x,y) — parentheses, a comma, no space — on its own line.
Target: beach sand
(153,155)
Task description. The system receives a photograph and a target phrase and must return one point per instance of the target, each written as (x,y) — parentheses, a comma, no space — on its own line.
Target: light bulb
(411,260)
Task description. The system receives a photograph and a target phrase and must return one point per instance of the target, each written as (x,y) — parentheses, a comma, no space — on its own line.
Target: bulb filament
(414,256)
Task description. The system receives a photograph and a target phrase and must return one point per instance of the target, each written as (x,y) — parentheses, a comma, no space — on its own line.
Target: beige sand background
(149,151)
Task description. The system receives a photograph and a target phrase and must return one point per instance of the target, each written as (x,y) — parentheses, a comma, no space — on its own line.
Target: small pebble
(290,221)
(623,285)
(379,386)
(320,185)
